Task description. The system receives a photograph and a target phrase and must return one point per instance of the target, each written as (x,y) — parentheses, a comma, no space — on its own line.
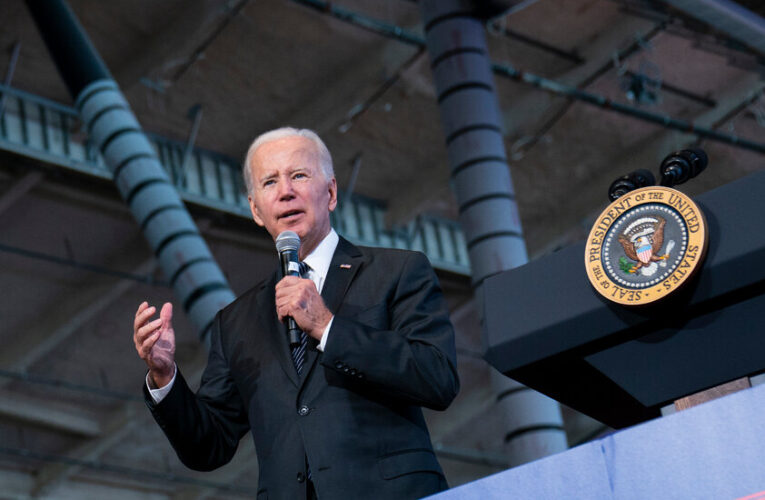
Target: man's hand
(298,297)
(155,342)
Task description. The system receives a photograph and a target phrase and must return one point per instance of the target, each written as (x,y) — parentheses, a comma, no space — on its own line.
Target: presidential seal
(645,245)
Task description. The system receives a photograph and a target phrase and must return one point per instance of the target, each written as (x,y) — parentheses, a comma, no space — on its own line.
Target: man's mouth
(290,214)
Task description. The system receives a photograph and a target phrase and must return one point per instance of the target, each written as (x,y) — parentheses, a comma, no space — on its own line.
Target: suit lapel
(346,262)
(277,333)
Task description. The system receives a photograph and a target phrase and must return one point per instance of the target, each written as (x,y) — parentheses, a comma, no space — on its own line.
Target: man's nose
(286,189)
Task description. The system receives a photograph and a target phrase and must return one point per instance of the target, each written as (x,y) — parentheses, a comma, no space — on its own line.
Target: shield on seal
(644,253)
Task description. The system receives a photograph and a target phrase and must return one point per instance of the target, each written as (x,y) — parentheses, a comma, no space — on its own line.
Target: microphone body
(288,244)
(682,166)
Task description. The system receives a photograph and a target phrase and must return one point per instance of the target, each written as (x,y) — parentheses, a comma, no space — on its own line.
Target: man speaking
(336,413)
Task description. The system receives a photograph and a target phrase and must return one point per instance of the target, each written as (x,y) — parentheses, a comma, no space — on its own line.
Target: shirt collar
(321,257)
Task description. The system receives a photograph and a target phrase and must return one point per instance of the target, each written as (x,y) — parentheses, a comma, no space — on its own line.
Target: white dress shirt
(318,261)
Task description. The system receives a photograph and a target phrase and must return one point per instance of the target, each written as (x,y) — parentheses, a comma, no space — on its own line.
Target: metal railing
(50,132)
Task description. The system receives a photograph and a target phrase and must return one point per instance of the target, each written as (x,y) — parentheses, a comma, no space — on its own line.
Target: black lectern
(546,327)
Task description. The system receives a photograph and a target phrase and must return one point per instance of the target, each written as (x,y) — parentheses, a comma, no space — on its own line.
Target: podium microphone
(681,166)
(288,244)
(630,182)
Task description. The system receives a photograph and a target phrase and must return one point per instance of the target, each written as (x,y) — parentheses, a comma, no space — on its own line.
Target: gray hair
(325,159)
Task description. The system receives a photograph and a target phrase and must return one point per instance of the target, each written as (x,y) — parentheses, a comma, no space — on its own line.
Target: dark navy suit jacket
(355,413)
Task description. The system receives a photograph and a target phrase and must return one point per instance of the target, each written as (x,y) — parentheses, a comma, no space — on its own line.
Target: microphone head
(681,166)
(699,160)
(287,241)
(630,182)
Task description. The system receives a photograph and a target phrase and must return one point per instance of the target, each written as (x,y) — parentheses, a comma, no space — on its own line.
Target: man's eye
(268,183)
(299,175)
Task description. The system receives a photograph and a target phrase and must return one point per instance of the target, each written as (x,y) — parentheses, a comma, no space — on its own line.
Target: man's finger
(300,285)
(166,315)
(142,315)
(281,311)
(147,330)
(144,305)
(149,327)
(144,348)
(141,330)
(147,344)
(288,282)
(289,279)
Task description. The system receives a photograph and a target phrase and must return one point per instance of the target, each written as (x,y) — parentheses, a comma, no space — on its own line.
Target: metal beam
(728,17)
(359,109)
(646,154)
(195,113)
(464,409)
(121,423)
(46,414)
(19,483)
(551,86)
(532,113)
(116,428)
(148,278)
(572,56)
(9,73)
(50,330)
(234,7)
(170,47)
(128,418)
(58,384)
(321,111)
(355,167)
(141,474)
(19,188)
(244,462)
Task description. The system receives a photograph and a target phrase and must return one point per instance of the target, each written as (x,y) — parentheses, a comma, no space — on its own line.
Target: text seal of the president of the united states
(645,245)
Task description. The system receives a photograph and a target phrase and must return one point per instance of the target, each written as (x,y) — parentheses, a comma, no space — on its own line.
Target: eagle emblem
(642,241)
(645,245)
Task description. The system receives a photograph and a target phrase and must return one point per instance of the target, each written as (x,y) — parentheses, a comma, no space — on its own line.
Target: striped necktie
(298,352)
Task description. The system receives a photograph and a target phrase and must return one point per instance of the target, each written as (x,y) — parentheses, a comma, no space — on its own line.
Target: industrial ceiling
(75,266)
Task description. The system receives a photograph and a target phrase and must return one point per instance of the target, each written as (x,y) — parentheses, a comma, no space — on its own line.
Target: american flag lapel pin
(345,266)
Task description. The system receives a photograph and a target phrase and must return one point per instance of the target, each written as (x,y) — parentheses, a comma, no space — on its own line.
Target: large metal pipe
(489,216)
(197,281)
(472,124)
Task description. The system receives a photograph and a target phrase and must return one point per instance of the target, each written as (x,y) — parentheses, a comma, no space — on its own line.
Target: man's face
(290,191)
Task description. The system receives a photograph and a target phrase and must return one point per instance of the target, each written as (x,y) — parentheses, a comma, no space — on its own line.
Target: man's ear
(255,212)
(332,194)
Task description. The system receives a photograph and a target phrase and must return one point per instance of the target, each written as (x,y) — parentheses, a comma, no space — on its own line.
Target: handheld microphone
(288,244)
